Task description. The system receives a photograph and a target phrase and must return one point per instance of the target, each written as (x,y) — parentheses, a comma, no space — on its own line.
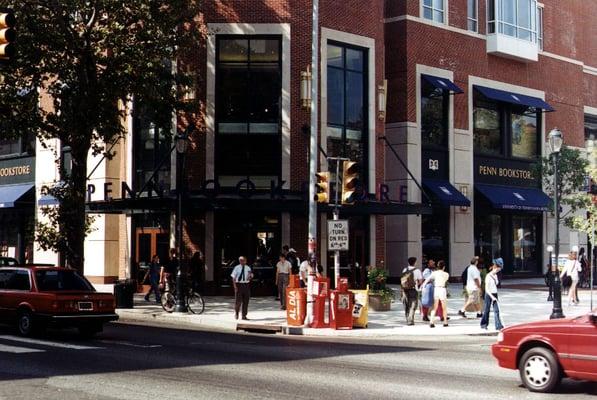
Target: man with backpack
(410,280)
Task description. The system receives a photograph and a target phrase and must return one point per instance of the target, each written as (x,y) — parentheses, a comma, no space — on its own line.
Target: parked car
(6,261)
(35,297)
(544,352)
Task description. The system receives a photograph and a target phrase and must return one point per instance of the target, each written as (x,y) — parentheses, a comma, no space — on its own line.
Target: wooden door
(149,242)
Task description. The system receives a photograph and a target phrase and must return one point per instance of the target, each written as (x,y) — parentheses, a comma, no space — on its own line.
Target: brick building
(471,86)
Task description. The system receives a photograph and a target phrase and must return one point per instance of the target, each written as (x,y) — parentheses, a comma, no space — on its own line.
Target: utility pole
(313,154)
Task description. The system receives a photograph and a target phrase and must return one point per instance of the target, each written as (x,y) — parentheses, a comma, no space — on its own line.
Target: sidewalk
(517,305)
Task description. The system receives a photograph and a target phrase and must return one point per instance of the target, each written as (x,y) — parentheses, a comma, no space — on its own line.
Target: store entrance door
(258,238)
(149,242)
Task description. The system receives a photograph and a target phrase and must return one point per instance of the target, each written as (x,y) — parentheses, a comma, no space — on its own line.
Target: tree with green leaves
(88,59)
(587,221)
(572,166)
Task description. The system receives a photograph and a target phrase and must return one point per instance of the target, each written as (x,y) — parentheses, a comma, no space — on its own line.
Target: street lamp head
(550,249)
(555,140)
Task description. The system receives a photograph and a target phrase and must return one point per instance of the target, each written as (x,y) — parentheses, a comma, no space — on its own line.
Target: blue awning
(442,83)
(10,194)
(47,200)
(514,98)
(514,198)
(445,193)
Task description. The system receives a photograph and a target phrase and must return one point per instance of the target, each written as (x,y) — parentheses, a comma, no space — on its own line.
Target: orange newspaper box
(296,306)
(294,281)
(321,288)
(341,304)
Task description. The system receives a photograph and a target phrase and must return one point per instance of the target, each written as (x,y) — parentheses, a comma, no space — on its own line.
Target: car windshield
(53,280)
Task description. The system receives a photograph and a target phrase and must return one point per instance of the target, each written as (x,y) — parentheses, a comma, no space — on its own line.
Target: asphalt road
(139,362)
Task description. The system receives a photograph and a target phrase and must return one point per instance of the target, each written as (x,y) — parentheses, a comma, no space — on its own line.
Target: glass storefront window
(524,243)
(524,135)
(487,135)
(590,127)
(435,235)
(488,237)
(248,109)
(434,115)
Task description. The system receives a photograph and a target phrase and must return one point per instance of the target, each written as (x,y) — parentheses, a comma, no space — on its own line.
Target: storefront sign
(338,235)
(434,164)
(505,172)
(17,170)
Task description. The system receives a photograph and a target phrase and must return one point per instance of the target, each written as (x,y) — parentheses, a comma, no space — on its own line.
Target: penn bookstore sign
(338,235)
(17,170)
(505,172)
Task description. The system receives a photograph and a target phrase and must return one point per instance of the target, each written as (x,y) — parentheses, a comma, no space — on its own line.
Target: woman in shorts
(440,278)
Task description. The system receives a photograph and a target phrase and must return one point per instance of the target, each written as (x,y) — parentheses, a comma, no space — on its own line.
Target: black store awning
(514,98)
(514,198)
(442,83)
(446,194)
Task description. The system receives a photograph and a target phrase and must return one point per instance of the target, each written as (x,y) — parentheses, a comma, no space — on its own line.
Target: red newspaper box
(341,304)
(321,289)
(296,306)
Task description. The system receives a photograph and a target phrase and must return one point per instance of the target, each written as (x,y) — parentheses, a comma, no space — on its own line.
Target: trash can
(360,310)
(124,290)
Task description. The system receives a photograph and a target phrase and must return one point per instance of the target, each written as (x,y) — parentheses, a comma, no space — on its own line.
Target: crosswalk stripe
(18,350)
(47,343)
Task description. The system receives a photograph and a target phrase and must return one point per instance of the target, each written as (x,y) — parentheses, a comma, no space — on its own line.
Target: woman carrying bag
(572,270)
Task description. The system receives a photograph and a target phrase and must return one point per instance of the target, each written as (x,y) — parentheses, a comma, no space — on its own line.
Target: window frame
(366,101)
(443,11)
(539,26)
(219,136)
(505,112)
(470,19)
(22,145)
(589,118)
(496,24)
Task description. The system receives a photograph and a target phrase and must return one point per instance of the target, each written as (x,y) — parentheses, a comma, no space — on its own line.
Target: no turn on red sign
(337,235)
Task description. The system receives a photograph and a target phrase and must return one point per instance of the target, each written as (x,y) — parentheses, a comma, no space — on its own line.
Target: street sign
(337,235)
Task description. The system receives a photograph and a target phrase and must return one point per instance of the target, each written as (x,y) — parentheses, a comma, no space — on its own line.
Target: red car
(546,351)
(35,297)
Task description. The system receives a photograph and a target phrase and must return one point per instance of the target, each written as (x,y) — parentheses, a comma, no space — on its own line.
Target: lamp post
(555,145)
(550,272)
(182,144)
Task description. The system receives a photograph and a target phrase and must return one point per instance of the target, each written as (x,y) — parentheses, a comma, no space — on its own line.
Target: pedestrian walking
(197,267)
(473,288)
(153,273)
(427,290)
(168,272)
(282,278)
(439,278)
(491,297)
(410,280)
(241,278)
(294,261)
(572,269)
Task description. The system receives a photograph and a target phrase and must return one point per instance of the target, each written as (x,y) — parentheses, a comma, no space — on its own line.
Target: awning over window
(445,193)
(10,194)
(514,98)
(514,198)
(442,83)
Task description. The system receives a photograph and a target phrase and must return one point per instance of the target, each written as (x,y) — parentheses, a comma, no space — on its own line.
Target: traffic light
(322,187)
(7,34)
(350,181)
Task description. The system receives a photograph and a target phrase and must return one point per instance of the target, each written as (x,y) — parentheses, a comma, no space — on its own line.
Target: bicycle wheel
(195,302)
(168,302)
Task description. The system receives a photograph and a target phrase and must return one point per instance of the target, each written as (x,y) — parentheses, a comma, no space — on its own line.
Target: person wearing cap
(491,297)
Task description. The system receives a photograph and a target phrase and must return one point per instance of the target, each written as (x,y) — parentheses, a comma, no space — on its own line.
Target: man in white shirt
(282,278)
(304,272)
(473,288)
(241,279)
(410,280)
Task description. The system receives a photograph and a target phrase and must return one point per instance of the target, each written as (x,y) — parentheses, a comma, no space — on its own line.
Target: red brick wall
(565,85)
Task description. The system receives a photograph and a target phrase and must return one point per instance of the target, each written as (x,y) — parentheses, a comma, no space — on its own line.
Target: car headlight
(500,337)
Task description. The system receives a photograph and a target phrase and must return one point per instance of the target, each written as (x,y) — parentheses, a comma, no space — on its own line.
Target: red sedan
(34,297)
(546,351)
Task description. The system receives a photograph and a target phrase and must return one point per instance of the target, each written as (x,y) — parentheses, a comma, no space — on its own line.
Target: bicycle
(193,300)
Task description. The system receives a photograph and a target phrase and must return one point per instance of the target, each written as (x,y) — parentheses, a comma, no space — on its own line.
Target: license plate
(85,305)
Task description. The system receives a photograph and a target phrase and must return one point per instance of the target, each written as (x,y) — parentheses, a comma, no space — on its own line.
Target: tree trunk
(74,222)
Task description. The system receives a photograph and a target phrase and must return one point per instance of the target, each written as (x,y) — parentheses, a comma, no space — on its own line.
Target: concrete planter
(376,303)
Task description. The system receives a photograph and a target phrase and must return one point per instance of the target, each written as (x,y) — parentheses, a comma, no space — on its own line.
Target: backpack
(464,276)
(407,280)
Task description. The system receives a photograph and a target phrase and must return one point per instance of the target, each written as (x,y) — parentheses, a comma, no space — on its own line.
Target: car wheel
(539,370)
(25,323)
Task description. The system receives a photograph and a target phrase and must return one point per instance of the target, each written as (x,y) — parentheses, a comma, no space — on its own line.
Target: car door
(18,289)
(582,348)
(5,296)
